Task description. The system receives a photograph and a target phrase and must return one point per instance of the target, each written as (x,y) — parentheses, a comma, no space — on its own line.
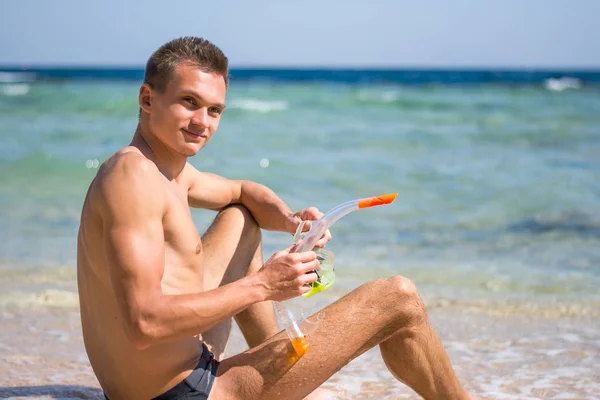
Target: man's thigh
(232,246)
(272,370)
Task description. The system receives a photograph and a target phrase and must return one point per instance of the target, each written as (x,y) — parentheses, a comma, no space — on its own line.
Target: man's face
(187,114)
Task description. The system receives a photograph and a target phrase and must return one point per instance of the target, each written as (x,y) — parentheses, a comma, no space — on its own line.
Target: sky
(307,33)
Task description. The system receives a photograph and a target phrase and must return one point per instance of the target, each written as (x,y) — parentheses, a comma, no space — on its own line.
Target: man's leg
(232,250)
(387,312)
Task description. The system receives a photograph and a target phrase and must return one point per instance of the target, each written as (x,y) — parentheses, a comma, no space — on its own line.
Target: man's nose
(200,118)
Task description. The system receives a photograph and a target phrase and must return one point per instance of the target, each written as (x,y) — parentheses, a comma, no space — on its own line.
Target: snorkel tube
(330,217)
(306,241)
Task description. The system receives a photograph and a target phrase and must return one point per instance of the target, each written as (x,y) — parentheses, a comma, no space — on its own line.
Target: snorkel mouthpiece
(377,200)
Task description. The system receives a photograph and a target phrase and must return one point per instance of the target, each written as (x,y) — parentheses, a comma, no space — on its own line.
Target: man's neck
(169,163)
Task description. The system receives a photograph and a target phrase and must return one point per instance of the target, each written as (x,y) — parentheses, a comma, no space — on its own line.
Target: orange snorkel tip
(377,200)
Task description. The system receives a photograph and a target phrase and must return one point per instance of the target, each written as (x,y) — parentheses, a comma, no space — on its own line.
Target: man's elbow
(142,333)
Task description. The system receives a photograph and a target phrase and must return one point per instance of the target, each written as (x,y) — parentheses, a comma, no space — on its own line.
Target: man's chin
(191,150)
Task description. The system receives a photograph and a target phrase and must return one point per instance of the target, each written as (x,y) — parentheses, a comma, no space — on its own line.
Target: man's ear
(145,98)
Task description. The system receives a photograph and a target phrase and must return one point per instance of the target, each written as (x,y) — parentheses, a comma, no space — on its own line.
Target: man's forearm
(268,209)
(172,317)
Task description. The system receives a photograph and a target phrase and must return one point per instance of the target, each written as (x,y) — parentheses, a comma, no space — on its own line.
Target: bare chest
(183,248)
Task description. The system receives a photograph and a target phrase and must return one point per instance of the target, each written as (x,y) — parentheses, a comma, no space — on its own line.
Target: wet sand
(496,356)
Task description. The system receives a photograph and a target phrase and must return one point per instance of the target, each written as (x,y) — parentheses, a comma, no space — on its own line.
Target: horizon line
(40,66)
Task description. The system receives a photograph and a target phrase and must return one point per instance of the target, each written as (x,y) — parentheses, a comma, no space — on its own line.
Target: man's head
(190,50)
(183,93)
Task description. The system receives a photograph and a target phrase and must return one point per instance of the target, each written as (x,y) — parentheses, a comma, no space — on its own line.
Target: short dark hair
(185,50)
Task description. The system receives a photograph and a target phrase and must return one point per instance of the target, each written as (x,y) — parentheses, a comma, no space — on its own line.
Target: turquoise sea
(497,219)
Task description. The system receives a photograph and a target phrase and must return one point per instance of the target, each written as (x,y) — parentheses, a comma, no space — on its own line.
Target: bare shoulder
(127,181)
(128,162)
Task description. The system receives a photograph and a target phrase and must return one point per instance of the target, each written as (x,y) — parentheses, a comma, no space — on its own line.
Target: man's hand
(308,214)
(287,274)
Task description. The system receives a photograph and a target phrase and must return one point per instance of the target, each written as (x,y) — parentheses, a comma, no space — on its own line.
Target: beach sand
(496,356)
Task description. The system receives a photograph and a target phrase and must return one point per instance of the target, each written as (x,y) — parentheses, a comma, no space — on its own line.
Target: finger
(316,213)
(322,242)
(312,213)
(307,225)
(324,239)
(308,267)
(308,278)
(304,289)
(304,256)
(290,249)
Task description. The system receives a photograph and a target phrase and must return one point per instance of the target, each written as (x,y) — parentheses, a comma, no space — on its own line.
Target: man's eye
(189,100)
(214,110)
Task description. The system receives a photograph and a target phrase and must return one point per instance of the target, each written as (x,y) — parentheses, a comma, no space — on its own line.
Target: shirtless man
(157,300)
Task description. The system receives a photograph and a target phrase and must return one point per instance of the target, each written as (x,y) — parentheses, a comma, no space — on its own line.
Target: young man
(157,300)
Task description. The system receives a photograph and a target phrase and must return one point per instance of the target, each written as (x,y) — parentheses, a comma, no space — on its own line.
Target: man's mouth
(195,134)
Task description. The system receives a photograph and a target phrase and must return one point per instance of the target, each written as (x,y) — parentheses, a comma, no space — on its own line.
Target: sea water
(496,221)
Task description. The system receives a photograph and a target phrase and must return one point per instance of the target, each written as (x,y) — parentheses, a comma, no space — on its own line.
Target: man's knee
(239,214)
(399,297)
(402,286)
(238,211)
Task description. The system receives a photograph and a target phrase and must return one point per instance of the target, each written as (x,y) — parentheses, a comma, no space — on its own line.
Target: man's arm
(215,192)
(134,203)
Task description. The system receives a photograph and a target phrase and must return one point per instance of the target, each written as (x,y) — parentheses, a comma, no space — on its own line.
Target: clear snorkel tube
(306,241)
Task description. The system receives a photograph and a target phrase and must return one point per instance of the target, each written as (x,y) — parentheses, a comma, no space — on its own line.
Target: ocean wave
(540,309)
(561,84)
(15,89)
(257,105)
